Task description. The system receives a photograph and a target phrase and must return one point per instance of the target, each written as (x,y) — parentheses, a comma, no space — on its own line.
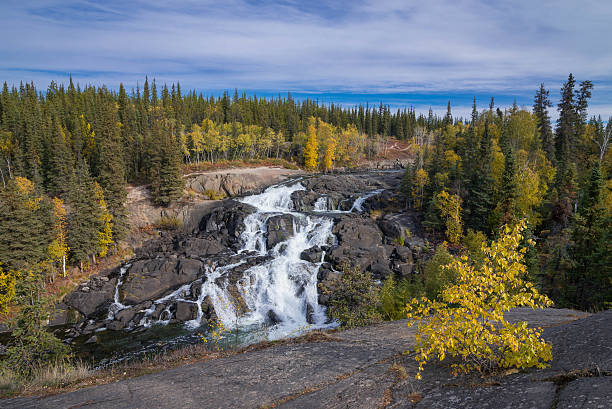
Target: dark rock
(274,319)
(227,221)
(114,326)
(279,228)
(95,302)
(150,279)
(186,311)
(312,254)
(194,247)
(309,314)
(587,393)
(358,232)
(92,340)
(380,270)
(125,315)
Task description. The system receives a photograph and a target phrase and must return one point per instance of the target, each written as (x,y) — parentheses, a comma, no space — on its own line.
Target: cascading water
(281,293)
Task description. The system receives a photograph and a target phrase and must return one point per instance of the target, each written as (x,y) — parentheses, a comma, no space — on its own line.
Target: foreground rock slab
(360,369)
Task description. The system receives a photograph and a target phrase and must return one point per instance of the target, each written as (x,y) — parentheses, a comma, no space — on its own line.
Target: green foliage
(468,321)
(394,295)
(437,277)
(32,346)
(26,225)
(355,302)
(214,194)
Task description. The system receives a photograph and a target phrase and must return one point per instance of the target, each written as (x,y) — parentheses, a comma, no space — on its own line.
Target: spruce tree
(540,109)
(166,171)
(85,215)
(508,191)
(26,225)
(112,170)
(589,279)
(481,186)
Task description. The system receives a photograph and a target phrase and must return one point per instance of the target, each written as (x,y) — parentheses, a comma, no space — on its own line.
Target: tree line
(499,167)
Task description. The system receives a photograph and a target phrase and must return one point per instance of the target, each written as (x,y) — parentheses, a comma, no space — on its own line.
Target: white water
(116,305)
(285,285)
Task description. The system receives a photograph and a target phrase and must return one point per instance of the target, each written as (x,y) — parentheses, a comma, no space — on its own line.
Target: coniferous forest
(68,154)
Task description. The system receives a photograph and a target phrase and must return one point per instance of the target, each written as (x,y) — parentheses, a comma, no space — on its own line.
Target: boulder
(226,222)
(198,247)
(151,279)
(358,232)
(279,229)
(96,301)
(312,254)
(186,311)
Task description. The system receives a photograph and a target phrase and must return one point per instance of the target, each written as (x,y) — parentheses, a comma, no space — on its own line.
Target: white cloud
(364,46)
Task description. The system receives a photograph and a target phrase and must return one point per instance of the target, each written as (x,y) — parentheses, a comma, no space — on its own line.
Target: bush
(354,303)
(168,223)
(437,277)
(469,322)
(394,296)
(32,346)
(214,194)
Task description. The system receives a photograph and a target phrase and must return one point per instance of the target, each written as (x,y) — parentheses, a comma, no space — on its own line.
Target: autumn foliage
(468,322)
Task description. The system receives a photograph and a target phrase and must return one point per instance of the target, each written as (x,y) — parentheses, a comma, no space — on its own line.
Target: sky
(403,53)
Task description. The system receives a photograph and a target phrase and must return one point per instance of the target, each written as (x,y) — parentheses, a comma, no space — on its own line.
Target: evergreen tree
(406,186)
(60,163)
(540,109)
(166,171)
(26,225)
(481,186)
(112,170)
(85,215)
(508,191)
(589,279)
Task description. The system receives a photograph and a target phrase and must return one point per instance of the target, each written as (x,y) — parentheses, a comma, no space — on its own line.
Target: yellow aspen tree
(450,210)
(58,249)
(105,235)
(7,290)
(421,180)
(468,322)
(329,155)
(311,150)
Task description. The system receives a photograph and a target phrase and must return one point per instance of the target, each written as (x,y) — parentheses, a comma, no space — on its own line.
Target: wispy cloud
(363,46)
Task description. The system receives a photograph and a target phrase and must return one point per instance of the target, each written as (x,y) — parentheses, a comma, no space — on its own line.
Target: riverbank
(366,368)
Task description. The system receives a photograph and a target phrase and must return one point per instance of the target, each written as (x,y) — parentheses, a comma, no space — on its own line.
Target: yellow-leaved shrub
(468,321)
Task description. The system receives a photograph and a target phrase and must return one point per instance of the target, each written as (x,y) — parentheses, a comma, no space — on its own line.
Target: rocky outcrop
(236,182)
(226,223)
(150,279)
(92,298)
(178,263)
(279,228)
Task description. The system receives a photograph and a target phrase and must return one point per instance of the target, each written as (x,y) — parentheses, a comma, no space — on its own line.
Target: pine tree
(85,215)
(540,109)
(407,186)
(166,170)
(508,190)
(112,170)
(481,186)
(60,163)
(26,225)
(589,279)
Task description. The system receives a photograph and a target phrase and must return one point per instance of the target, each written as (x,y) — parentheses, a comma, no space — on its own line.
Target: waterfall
(116,305)
(280,294)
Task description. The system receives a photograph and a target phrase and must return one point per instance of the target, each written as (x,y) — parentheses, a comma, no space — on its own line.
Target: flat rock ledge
(366,368)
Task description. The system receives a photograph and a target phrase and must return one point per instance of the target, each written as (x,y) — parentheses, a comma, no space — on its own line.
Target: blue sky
(419,53)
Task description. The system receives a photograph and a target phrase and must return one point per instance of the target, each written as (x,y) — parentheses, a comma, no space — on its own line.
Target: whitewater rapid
(280,294)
